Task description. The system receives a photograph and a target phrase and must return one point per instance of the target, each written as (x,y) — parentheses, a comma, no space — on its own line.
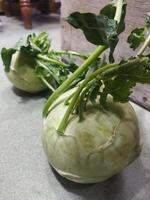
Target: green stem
(57,62)
(47,84)
(66,84)
(44,66)
(64,122)
(66,52)
(85,91)
(118,11)
(78,107)
(68,99)
(146,43)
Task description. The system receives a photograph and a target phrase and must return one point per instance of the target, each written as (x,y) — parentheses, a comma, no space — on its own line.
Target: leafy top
(32,45)
(139,35)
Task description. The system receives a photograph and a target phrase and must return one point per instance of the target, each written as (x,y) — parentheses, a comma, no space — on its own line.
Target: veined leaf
(6,55)
(39,43)
(100,29)
(97,28)
(110,10)
(136,37)
(119,81)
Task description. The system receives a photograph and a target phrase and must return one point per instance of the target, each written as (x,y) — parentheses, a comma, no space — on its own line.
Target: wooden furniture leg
(26,12)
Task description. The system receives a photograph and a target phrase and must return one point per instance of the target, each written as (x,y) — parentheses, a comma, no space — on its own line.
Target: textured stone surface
(24,171)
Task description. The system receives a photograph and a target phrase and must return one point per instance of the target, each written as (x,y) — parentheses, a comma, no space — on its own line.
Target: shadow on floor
(25,96)
(123,186)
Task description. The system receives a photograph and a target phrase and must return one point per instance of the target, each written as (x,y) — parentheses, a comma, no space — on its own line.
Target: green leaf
(134,68)
(119,81)
(6,55)
(39,43)
(110,10)
(98,29)
(71,63)
(34,44)
(119,88)
(136,37)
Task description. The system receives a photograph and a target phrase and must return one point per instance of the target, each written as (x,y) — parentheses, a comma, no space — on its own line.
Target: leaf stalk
(54,61)
(118,10)
(144,46)
(47,84)
(73,53)
(66,84)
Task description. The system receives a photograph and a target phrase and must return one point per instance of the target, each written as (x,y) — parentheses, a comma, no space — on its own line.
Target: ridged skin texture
(93,150)
(22,74)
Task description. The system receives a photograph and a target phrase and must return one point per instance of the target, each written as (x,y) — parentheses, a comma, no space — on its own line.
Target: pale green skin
(22,74)
(95,149)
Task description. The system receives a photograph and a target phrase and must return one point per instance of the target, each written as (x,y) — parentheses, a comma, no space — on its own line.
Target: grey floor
(24,171)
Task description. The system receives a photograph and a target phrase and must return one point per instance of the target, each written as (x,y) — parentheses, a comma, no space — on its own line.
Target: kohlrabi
(32,67)
(91,131)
